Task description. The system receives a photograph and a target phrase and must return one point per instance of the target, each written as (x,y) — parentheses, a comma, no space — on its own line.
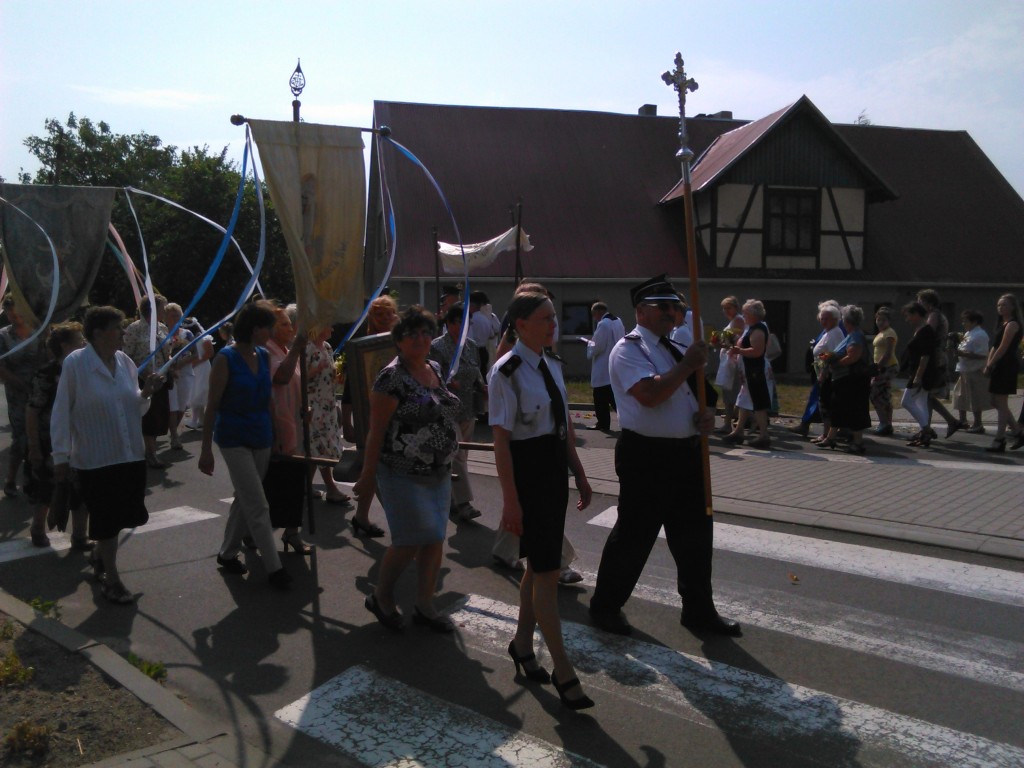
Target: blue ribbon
(385,135)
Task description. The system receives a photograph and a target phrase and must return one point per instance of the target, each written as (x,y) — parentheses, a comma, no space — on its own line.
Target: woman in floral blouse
(409,450)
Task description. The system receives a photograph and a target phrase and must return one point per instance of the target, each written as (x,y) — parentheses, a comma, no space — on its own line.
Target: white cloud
(153,98)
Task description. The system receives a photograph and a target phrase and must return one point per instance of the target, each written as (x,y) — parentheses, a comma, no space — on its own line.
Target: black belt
(692,442)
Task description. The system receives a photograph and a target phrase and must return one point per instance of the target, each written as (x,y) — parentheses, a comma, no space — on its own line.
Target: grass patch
(792,397)
(151,669)
(26,738)
(47,608)
(13,672)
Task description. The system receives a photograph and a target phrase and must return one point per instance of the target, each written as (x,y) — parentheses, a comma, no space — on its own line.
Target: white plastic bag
(915,401)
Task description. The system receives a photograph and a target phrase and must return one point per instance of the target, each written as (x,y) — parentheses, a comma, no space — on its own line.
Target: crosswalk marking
(16,549)
(916,460)
(741,702)
(977,581)
(941,649)
(385,723)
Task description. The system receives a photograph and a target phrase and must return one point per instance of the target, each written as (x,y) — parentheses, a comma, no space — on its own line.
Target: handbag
(915,402)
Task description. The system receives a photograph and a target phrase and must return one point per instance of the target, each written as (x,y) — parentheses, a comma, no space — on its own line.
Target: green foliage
(48,608)
(28,738)
(151,669)
(7,630)
(13,672)
(179,247)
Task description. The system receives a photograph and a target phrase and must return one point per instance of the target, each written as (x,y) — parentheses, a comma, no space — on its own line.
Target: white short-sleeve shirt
(638,356)
(518,400)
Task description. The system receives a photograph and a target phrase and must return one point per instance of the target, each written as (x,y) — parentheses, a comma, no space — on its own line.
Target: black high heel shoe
(367,529)
(294,541)
(584,702)
(828,442)
(538,674)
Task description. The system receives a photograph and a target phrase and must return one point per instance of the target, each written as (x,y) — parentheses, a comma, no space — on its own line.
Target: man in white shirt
(660,468)
(483,326)
(608,329)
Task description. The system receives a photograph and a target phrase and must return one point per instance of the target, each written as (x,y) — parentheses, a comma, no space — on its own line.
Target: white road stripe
(746,703)
(983,659)
(977,581)
(385,723)
(918,460)
(16,549)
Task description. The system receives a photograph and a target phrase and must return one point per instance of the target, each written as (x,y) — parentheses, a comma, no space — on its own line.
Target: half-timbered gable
(783,193)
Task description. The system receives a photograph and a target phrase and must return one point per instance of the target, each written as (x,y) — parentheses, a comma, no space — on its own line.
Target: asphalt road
(845,658)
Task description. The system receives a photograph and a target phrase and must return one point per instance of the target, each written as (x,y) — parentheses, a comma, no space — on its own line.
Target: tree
(180,247)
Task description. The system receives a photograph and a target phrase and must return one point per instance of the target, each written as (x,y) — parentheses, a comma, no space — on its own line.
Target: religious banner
(317,182)
(76,220)
(480,255)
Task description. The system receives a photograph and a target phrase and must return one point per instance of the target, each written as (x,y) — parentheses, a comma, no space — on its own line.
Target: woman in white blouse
(96,428)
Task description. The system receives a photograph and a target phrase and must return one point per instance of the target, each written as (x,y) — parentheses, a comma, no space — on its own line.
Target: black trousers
(660,484)
(604,404)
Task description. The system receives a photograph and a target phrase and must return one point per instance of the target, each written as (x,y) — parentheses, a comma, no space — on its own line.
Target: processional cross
(683,85)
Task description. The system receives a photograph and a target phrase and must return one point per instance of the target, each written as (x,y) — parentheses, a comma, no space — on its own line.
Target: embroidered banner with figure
(317,182)
(76,220)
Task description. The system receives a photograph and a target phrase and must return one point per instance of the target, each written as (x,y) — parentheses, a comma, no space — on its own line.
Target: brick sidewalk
(954,495)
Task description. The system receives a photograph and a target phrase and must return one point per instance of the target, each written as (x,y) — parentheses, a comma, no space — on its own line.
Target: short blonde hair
(754,307)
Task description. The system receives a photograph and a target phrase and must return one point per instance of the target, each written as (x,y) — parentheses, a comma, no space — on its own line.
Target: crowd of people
(89,401)
(850,376)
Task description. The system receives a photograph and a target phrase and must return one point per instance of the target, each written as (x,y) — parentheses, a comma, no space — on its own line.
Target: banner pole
(682,84)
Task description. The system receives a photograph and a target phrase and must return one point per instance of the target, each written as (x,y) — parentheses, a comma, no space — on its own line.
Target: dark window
(792,218)
(576,320)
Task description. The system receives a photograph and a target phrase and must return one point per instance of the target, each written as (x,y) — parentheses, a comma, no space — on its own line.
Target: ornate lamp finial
(677,79)
(297,83)
(298,80)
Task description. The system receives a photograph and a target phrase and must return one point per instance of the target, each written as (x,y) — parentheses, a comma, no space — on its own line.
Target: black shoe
(616,623)
(538,674)
(231,565)
(711,623)
(584,702)
(1018,441)
(280,579)
(392,621)
(367,529)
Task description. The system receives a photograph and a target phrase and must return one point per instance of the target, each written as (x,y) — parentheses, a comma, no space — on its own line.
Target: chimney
(725,114)
(648,110)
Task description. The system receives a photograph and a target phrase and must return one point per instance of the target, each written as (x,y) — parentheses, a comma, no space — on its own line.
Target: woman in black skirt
(1002,367)
(96,427)
(534,448)
(754,396)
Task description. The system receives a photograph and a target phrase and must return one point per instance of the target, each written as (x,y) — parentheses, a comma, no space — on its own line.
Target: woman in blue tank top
(238,419)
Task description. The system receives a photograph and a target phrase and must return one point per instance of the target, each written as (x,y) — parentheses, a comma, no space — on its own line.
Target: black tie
(557,404)
(709,392)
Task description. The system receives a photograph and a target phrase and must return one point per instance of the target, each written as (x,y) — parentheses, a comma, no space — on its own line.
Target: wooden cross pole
(682,84)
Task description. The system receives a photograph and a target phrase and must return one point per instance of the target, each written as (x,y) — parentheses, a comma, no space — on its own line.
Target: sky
(179,70)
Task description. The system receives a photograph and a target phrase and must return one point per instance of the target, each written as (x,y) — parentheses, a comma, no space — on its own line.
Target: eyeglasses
(665,306)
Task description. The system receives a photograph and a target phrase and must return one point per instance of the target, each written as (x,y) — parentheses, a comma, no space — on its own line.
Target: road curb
(196,729)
